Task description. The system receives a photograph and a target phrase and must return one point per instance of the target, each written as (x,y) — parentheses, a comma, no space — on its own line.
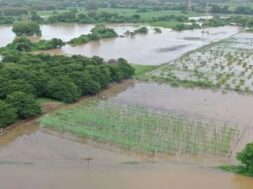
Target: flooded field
(40,158)
(37,157)
(227,64)
(148,49)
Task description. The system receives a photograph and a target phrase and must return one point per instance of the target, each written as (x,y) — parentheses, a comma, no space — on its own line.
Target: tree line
(26,77)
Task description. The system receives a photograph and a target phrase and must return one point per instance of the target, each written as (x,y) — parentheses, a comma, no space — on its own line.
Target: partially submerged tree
(26,28)
(246,158)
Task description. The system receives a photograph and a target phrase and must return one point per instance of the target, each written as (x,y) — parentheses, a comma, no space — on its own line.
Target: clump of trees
(26,77)
(6,20)
(24,44)
(143,30)
(98,32)
(246,159)
(27,28)
(157,30)
(93,17)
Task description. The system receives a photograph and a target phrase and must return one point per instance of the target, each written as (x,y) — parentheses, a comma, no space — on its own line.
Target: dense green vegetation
(23,44)
(26,28)
(92,17)
(25,77)
(143,30)
(98,32)
(246,158)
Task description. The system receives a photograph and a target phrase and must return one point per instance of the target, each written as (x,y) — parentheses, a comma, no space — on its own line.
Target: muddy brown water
(140,49)
(31,157)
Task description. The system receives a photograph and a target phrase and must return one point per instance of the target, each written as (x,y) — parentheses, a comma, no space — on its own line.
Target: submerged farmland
(145,130)
(227,64)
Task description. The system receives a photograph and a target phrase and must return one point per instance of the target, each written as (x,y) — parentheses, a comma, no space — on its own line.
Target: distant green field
(49,13)
(127,12)
(234,5)
(145,15)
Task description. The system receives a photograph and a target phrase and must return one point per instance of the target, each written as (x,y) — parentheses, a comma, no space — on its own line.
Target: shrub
(246,158)
(63,89)
(7,114)
(25,104)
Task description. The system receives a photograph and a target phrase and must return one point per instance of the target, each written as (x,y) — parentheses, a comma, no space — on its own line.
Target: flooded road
(147,49)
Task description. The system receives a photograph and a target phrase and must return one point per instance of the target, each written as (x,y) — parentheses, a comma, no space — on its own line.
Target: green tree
(21,44)
(8,114)
(26,28)
(63,89)
(25,104)
(85,82)
(246,157)
(19,85)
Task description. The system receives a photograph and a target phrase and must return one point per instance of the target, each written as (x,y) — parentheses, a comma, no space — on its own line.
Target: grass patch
(142,69)
(237,169)
(42,101)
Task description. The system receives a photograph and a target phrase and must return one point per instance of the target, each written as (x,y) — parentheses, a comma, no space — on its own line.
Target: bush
(25,104)
(143,30)
(63,89)
(7,114)
(246,158)
(19,85)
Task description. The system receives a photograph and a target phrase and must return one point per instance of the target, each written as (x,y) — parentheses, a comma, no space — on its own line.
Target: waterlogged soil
(139,49)
(32,157)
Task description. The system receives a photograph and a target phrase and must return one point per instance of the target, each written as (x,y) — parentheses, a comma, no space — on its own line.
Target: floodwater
(214,104)
(6,35)
(147,49)
(33,157)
